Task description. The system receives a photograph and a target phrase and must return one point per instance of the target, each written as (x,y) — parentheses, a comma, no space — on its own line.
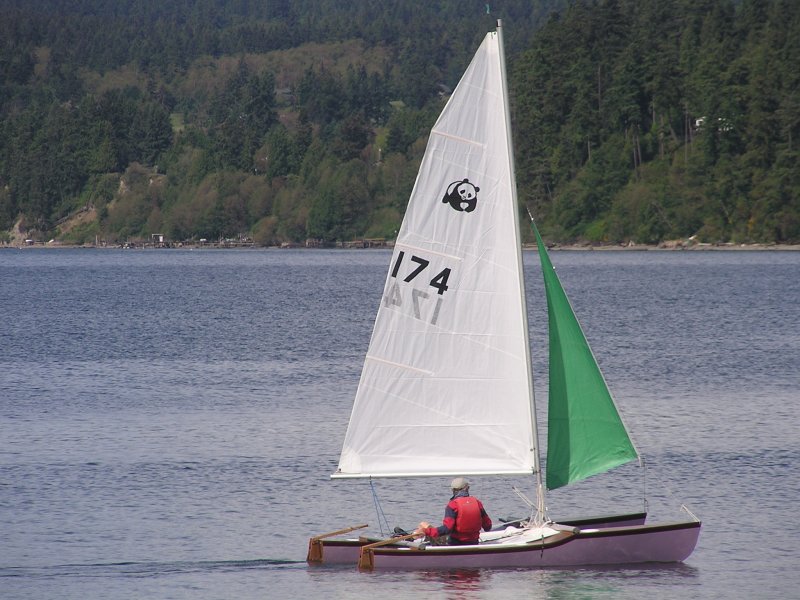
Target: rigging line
(379,510)
(670,493)
(536,518)
(691,514)
(644,483)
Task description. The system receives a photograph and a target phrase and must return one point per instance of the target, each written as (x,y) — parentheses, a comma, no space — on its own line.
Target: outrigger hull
(613,545)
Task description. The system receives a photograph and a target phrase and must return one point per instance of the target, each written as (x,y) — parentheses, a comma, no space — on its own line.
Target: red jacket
(464,517)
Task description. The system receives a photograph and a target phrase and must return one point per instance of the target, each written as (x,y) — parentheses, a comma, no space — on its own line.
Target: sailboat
(446,387)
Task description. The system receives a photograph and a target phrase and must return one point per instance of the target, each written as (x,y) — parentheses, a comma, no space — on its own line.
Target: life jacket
(468,519)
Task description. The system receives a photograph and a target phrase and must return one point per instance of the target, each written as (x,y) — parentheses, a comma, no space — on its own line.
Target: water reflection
(456,582)
(550,584)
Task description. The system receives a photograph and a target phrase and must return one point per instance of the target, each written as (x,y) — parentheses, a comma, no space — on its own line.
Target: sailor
(464,517)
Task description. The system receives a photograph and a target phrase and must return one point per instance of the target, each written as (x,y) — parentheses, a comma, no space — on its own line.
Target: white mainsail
(446,386)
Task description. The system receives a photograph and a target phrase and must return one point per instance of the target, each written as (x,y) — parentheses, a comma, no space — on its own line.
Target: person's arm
(445,528)
(429,530)
(485,520)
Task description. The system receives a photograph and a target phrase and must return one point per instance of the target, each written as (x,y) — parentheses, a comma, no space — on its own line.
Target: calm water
(169,419)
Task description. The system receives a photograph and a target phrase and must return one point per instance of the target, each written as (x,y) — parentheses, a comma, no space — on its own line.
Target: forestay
(446,387)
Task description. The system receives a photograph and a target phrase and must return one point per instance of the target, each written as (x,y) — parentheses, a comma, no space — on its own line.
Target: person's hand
(420,530)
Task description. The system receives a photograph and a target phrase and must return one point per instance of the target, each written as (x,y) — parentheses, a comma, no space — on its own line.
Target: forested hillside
(288,120)
(662,119)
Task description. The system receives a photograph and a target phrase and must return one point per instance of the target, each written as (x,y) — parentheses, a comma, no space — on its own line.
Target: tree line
(289,120)
(663,119)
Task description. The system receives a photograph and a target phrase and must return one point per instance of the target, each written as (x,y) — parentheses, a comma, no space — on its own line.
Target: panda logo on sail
(462,195)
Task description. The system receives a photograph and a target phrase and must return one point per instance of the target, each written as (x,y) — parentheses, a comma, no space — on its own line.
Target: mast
(540,499)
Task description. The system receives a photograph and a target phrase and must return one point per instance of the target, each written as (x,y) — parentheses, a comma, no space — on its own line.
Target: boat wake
(147,569)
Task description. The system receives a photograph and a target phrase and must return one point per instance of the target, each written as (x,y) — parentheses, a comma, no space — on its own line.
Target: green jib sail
(585,434)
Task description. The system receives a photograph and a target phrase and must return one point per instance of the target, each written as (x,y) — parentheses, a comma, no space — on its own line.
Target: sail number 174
(415,270)
(439,281)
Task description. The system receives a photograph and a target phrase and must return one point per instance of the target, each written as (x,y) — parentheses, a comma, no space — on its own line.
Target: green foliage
(384,224)
(7,212)
(635,120)
(84,233)
(658,119)
(326,216)
(140,193)
(405,126)
(242,112)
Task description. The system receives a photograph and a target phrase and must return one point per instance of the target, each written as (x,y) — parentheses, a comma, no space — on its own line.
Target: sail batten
(458,139)
(442,254)
(395,364)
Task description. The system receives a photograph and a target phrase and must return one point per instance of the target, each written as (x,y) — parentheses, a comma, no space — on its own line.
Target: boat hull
(613,545)
(347,551)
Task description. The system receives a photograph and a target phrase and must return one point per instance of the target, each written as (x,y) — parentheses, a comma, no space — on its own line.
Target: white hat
(459,483)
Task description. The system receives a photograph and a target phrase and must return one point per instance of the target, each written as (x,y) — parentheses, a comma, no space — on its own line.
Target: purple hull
(618,539)
(614,545)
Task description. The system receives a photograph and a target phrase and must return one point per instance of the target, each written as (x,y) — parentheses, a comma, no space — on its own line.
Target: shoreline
(670,247)
(663,247)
